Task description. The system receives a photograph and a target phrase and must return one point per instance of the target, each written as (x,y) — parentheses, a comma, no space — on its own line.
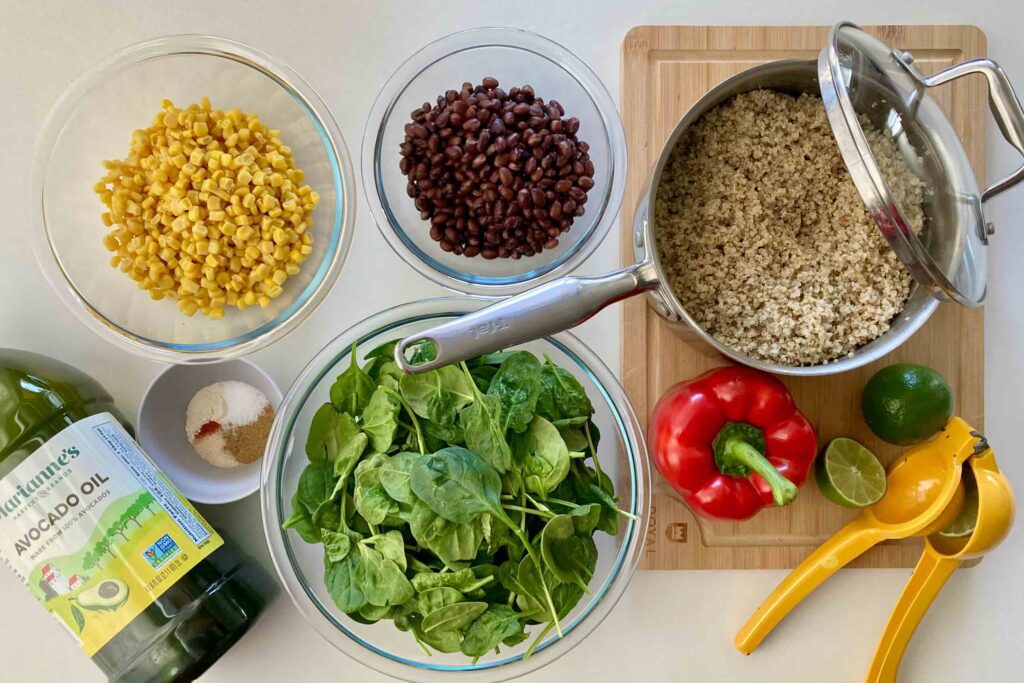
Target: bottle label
(96,531)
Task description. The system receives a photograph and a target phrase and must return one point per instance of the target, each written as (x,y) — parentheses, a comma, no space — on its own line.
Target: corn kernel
(208,209)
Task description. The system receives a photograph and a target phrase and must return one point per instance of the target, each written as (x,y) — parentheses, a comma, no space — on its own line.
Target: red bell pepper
(732,441)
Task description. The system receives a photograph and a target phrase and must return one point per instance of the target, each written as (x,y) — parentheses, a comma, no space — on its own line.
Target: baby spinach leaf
(532,606)
(349,447)
(453,617)
(440,435)
(380,420)
(565,596)
(342,585)
(490,359)
(392,546)
(434,599)
(543,457)
(532,589)
(380,579)
(423,352)
(490,629)
(585,518)
(316,484)
(372,614)
(585,486)
(427,399)
(371,498)
(563,552)
(437,395)
(383,350)
(517,385)
(462,580)
(571,422)
(482,376)
(384,372)
(302,523)
(353,388)
(457,485)
(379,356)
(396,476)
(327,515)
(451,542)
(336,545)
(485,432)
(442,641)
(573,437)
(319,426)
(493,592)
(329,432)
(561,394)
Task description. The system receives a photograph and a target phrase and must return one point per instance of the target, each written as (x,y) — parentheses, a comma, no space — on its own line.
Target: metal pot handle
(544,310)
(1005,106)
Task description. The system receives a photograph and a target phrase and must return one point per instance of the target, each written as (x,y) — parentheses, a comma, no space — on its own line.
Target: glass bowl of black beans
(493,160)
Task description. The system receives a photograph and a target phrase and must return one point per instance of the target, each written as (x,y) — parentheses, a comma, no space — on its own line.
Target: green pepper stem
(738,451)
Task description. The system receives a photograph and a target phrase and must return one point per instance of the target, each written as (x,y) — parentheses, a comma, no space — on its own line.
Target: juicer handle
(930,575)
(1005,106)
(541,311)
(848,543)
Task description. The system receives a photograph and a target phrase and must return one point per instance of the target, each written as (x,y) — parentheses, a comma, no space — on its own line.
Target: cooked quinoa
(765,240)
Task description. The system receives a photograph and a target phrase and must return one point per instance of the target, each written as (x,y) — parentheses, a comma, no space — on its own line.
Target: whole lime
(906,403)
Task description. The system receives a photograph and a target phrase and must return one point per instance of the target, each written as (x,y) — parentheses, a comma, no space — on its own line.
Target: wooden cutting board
(665,70)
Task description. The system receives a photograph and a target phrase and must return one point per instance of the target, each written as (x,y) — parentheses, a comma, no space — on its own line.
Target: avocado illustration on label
(107,595)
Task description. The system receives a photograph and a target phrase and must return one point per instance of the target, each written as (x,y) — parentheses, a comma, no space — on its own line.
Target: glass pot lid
(863,80)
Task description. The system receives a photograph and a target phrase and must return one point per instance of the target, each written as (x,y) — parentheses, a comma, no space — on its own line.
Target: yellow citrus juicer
(923,495)
(942,555)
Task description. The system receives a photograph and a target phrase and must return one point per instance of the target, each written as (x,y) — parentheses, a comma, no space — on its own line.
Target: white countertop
(670,626)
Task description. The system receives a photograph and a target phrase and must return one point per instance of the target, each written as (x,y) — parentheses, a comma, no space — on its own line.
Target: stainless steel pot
(955,216)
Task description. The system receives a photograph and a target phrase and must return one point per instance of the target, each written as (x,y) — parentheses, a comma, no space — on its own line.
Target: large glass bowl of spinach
(455,523)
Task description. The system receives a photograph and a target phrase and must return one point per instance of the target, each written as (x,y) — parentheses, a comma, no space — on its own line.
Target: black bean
(496,174)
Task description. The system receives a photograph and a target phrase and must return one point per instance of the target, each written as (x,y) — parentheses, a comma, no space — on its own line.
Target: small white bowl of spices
(206,427)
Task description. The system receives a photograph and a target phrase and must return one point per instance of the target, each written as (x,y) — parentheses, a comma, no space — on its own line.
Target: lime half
(849,474)
(963,525)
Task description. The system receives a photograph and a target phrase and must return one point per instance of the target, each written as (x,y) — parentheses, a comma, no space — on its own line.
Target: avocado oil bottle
(103,539)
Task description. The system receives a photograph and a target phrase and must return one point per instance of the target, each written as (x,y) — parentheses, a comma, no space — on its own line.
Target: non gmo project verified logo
(164,549)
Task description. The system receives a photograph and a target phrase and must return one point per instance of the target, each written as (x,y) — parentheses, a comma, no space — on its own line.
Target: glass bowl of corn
(194,199)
